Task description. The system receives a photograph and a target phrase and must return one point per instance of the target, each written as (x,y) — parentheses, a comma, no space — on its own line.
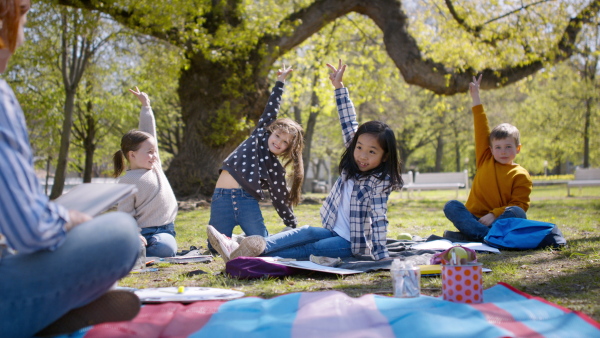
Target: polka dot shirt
(255,168)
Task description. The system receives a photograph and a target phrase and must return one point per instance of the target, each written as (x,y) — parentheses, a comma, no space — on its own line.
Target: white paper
(308,265)
(94,198)
(442,244)
(189,294)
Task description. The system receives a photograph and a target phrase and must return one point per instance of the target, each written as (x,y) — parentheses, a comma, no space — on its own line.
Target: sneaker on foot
(251,246)
(455,236)
(223,244)
(113,306)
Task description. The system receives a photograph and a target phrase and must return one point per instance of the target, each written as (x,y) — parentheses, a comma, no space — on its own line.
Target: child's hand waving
(474,90)
(283,73)
(336,75)
(143,97)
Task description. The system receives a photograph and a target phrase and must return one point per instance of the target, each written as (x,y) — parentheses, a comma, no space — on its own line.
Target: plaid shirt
(368,203)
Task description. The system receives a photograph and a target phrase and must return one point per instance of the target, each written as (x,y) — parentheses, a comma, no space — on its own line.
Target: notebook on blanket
(94,198)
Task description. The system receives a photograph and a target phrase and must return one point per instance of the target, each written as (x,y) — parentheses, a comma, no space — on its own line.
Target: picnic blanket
(506,312)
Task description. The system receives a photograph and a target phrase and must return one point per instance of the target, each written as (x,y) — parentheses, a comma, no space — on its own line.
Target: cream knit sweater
(154,204)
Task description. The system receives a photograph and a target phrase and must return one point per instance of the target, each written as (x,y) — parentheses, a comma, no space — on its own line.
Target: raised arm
(346,111)
(480,124)
(337,74)
(147,122)
(474,90)
(272,109)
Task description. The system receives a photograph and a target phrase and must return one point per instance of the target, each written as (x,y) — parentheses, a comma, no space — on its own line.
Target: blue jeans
(302,242)
(231,207)
(41,287)
(161,241)
(469,225)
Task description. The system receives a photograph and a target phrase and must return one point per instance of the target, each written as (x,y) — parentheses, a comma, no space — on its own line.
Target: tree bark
(89,146)
(65,141)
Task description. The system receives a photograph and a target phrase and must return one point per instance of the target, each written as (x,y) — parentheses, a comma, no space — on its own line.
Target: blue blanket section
(505,313)
(253,317)
(433,317)
(548,320)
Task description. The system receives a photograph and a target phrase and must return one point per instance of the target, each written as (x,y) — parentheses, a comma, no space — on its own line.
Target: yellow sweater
(495,186)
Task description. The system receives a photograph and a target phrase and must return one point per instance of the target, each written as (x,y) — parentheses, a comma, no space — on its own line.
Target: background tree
(231,46)
(80,40)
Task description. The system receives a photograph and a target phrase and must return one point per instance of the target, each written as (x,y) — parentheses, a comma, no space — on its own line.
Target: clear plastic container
(141,260)
(406,279)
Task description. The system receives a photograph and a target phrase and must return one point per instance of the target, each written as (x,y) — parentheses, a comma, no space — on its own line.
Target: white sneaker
(223,244)
(251,246)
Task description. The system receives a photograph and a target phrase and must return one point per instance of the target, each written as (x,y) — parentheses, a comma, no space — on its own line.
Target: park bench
(584,178)
(438,181)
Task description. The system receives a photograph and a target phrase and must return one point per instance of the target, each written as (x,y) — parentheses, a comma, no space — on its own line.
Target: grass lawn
(570,277)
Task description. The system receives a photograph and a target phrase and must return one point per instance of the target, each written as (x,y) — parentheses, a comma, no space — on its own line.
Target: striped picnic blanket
(506,312)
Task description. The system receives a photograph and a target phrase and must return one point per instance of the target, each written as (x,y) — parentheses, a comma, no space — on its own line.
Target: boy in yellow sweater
(500,188)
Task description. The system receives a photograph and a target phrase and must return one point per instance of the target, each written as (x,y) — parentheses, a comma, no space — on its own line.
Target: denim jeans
(469,225)
(161,240)
(302,242)
(231,207)
(39,288)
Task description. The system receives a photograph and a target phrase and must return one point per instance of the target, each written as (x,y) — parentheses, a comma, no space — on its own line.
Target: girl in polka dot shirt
(255,165)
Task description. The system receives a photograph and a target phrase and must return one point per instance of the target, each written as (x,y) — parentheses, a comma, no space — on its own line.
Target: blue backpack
(524,234)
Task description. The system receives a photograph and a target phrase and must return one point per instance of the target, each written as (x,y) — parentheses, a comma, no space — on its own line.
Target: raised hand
(337,74)
(474,90)
(283,73)
(143,97)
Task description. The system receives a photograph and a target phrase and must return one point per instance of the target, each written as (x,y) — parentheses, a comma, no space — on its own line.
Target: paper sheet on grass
(308,265)
(189,294)
(94,198)
(442,244)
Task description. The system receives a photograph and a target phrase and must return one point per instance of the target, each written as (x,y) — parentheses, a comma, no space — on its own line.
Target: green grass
(569,277)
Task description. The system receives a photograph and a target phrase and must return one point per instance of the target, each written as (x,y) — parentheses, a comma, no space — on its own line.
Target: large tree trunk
(216,120)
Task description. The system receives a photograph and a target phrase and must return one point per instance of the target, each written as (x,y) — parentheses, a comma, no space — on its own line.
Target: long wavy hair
(293,155)
(390,164)
(132,141)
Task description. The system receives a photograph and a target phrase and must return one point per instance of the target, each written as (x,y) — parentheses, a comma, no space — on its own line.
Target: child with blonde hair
(254,165)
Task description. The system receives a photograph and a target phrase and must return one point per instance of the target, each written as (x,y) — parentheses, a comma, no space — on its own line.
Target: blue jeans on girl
(469,225)
(161,240)
(302,242)
(41,287)
(231,207)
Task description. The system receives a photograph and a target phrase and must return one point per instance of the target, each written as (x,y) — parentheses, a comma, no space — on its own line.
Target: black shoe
(455,236)
(113,306)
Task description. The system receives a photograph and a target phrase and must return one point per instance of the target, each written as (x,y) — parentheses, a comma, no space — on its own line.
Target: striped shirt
(368,202)
(28,220)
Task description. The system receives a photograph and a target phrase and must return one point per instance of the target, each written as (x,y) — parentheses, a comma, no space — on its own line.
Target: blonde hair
(293,154)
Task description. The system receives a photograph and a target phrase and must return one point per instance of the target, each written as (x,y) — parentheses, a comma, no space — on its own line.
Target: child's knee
(452,205)
(517,212)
